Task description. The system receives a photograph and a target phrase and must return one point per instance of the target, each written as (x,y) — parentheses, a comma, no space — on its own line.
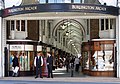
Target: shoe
(36,77)
(13,75)
(48,77)
(41,77)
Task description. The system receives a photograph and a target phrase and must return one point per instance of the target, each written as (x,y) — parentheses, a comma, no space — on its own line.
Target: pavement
(61,77)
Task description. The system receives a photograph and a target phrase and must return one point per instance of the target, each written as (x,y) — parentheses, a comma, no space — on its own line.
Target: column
(118,42)
(40,31)
(46,32)
(1,49)
(2,41)
(118,45)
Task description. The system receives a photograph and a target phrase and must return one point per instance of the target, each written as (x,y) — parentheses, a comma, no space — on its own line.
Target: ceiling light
(67,33)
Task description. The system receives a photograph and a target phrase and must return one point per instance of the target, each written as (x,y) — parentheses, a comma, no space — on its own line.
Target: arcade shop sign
(60,7)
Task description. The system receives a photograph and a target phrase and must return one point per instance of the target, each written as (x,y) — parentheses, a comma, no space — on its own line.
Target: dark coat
(50,60)
(15,62)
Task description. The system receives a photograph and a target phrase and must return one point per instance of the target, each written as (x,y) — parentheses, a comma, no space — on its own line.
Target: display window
(25,57)
(99,56)
(85,63)
(104,59)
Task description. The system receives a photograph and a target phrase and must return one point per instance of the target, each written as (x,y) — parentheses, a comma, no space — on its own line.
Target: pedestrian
(15,66)
(71,65)
(38,63)
(49,65)
(77,64)
(67,63)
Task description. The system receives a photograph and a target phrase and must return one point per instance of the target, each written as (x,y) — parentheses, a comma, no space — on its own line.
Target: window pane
(63,41)
(67,1)
(51,1)
(12,25)
(106,21)
(42,1)
(43,26)
(77,1)
(102,24)
(49,27)
(18,25)
(112,23)
(87,27)
(59,37)
(22,25)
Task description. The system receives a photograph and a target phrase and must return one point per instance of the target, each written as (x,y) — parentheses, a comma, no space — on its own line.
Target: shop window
(103,59)
(85,58)
(25,60)
(98,58)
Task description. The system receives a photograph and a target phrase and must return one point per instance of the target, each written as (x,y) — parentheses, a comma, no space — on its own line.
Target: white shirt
(77,61)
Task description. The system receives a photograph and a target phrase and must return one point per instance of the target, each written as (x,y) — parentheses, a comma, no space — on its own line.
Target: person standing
(15,66)
(49,65)
(38,63)
(77,64)
(71,65)
(67,63)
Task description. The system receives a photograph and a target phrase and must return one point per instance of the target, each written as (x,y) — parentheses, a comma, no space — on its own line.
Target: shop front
(98,57)
(29,22)
(25,52)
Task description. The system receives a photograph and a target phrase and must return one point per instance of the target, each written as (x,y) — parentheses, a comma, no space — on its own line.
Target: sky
(10,3)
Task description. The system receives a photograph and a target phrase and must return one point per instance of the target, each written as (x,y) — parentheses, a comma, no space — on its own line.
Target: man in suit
(38,63)
(49,65)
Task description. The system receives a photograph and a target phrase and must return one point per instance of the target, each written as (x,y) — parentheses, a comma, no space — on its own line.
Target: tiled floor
(61,72)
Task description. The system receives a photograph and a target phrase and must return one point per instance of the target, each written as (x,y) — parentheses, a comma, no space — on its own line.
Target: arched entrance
(66,31)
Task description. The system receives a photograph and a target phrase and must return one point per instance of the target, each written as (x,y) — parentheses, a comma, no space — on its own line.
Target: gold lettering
(82,7)
(88,7)
(100,8)
(15,10)
(31,8)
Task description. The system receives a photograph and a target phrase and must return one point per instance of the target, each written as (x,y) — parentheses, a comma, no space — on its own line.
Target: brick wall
(33,29)
(94,28)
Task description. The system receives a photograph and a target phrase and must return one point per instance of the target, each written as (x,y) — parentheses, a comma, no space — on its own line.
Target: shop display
(98,59)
